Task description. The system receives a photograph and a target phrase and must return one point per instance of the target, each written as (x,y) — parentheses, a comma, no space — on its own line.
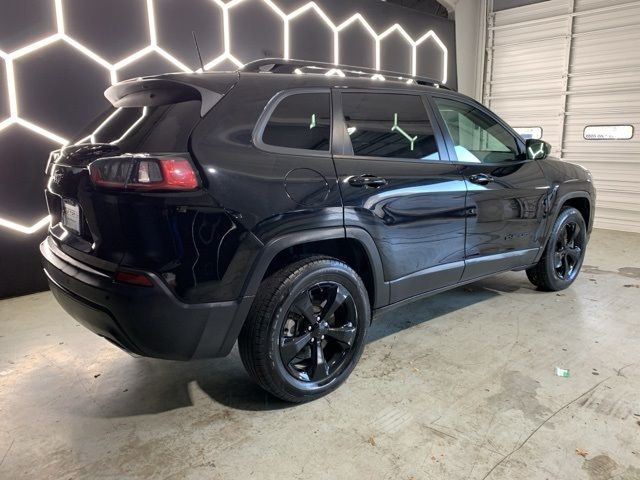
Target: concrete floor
(461,385)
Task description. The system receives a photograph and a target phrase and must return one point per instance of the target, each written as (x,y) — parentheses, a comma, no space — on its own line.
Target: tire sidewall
(329,271)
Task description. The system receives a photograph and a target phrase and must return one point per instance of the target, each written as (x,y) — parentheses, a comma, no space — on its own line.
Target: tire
(283,344)
(563,254)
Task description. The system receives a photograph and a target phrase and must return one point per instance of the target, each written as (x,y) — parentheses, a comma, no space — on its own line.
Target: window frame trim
(343,145)
(267,112)
(453,157)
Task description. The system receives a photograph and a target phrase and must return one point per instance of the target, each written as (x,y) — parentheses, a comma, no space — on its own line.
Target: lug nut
(309,328)
(322,337)
(313,340)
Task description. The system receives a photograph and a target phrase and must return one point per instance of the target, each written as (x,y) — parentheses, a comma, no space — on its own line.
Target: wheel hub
(320,329)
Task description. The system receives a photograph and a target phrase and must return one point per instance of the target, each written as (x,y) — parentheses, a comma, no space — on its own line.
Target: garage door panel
(600,100)
(532,12)
(591,5)
(621,77)
(516,62)
(616,172)
(529,33)
(616,219)
(618,50)
(550,86)
(628,15)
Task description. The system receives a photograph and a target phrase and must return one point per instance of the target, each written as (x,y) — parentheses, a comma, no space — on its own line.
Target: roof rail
(280,65)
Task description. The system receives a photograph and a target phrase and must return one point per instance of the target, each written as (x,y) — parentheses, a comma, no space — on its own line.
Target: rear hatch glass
(163,128)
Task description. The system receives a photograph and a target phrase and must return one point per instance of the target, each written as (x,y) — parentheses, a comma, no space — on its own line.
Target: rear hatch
(121,192)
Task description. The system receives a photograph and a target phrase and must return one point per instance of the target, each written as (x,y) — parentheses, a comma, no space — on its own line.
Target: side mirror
(537,149)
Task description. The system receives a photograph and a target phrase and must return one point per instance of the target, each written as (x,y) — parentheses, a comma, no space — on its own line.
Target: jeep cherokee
(285,204)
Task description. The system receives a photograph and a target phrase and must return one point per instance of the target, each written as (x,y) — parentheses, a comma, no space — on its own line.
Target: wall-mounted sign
(608,132)
(529,132)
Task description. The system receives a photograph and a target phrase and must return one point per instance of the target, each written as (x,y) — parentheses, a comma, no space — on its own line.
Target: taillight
(144,173)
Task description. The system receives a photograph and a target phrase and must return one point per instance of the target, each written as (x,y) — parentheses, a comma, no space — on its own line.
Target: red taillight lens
(144,173)
(131,278)
(178,173)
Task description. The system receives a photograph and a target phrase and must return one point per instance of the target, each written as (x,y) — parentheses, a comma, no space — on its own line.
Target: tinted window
(163,128)
(477,137)
(389,125)
(301,120)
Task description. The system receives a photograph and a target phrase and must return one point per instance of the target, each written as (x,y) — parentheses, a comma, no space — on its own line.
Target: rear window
(300,121)
(162,128)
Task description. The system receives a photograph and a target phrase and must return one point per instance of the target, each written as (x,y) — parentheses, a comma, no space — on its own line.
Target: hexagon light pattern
(153,46)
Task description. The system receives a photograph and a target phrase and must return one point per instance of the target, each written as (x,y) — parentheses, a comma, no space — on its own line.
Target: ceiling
(432,7)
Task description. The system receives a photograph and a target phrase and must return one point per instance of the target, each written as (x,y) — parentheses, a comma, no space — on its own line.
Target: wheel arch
(583,205)
(579,199)
(352,245)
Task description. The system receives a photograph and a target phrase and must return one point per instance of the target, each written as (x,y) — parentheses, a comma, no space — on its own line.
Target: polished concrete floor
(458,386)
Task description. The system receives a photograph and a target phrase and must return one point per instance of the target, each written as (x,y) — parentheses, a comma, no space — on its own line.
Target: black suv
(284,204)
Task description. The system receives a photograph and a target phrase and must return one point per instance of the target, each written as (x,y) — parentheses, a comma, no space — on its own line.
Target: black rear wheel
(306,329)
(564,253)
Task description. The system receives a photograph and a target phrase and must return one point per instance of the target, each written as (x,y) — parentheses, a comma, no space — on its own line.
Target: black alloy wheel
(568,252)
(306,329)
(563,254)
(319,332)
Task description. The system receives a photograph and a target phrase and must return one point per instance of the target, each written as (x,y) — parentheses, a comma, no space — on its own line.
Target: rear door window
(389,125)
(300,121)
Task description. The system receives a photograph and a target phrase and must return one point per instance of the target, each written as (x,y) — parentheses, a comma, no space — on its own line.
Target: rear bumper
(147,321)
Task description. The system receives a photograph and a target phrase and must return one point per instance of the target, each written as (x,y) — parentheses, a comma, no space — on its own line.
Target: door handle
(481,178)
(367,181)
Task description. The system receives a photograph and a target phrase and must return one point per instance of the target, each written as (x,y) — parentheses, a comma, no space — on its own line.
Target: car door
(505,191)
(394,184)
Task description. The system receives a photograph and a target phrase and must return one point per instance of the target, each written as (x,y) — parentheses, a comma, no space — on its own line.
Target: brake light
(132,278)
(144,173)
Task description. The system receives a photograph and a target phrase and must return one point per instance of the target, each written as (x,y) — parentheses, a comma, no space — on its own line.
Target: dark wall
(58,56)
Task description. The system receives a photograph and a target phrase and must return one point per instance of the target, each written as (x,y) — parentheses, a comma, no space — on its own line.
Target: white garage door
(572,68)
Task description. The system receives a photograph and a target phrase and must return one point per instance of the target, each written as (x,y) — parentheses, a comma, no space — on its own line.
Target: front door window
(477,137)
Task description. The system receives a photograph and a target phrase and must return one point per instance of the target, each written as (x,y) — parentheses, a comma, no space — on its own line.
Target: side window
(389,125)
(477,137)
(300,120)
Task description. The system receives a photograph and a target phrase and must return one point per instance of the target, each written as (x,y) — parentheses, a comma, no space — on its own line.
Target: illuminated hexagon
(251,39)
(357,46)
(302,42)
(24,154)
(175,20)
(59,88)
(225,65)
(431,58)
(24,21)
(117,27)
(396,53)
(151,64)
(4,91)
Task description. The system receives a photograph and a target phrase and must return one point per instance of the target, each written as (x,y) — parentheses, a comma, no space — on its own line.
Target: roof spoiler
(150,91)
